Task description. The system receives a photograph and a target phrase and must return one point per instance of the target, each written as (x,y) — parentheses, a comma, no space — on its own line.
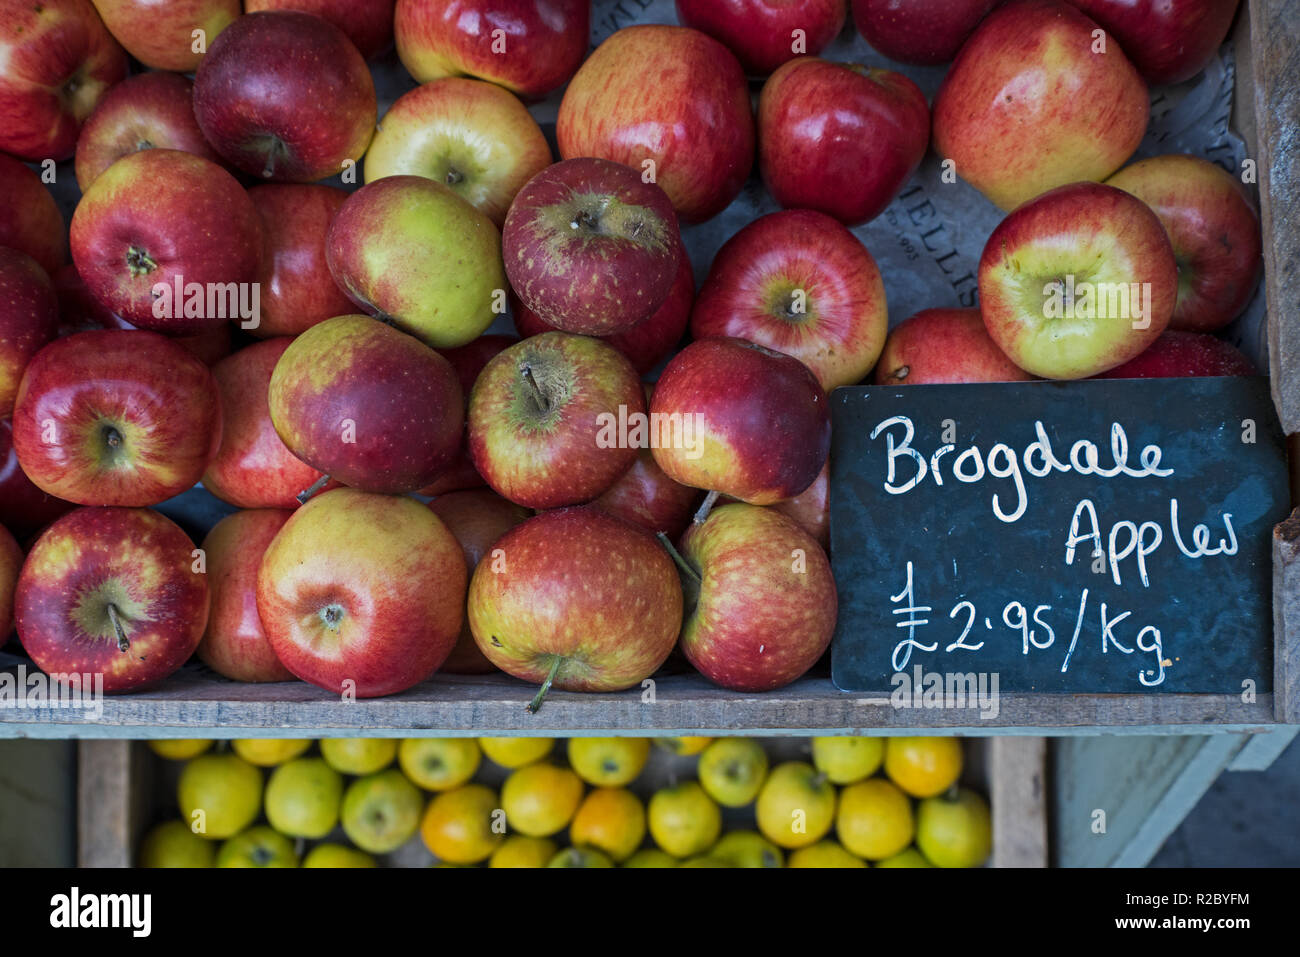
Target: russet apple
(763,34)
(368,23)
(542,419)
(671,103)
(253,468)
(647,343)
(840,137)
(798,282)
(30,220)
(145,111)
(1168,40)
(297,289)
(1179,353)
(413,252)
(760,598)
(56,60)
(530,47)
(234,644)
(467,134)
(477,517)
(918,31)
(29,319)
(1214,231)
(285,96)
(1029,104)
(160,33)
(362,594)
(163,218)
(759,421)
(116,417)
(1077,281)
(580,601)
(112,591)
(940,346)
(24,508)
(367,405)
(590,247)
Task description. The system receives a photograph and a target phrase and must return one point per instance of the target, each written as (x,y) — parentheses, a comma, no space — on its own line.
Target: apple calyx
(556,661)
(311,489)
(139,262)
(332,614)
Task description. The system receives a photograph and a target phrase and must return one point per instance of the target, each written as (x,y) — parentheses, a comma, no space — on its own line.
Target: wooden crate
(123,789)
(1266,112)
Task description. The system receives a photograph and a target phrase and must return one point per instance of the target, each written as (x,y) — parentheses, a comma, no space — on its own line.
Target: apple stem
(556,661)
(312,489)
(706,506)
(123,642)
(682,563)
(538,396)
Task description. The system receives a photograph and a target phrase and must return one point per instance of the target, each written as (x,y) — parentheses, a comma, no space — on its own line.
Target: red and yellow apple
(763,34)
(24,508)
(161,34)
(368,23)
(29,319)
(918,31)
(1178,353)
(1168,41)
(30,220)
(942,346)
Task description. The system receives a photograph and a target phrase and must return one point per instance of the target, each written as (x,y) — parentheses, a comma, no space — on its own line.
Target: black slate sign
(1095,536)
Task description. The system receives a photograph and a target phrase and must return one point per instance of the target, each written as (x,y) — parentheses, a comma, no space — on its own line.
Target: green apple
(411,252)
(303,798)
(910,857)
(359,756)
(651,857)
(747,849)
(381,812)
(219,794)
(581,857)
(258,846)
(954,829)
(336,855)
(845,760)
(732,770)
(173,844)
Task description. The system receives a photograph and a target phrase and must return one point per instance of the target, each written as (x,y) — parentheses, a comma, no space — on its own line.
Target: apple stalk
(536,703)
(311,489)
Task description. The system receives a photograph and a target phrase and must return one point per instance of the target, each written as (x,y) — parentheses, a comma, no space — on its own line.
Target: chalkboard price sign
(1105,537)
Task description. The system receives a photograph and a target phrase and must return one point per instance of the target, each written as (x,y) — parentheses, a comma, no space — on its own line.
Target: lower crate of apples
(578,802)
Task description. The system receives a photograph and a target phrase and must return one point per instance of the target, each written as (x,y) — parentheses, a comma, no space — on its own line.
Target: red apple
(11,560)
(146,111)
(146,227)
(469,135)
(367,405)
(941,346)
(810,509)
(297,290)
(591,248)
(763,34)
(581,601)
(252,467)
(234,644)
(1168,40)
(24,508)
(160,33)
(800,283)
(56,60)
(415,253)
(840,138)
(112,591)
(760,598)
(651,340)
(671,103)
(79,311)
(1077,281)
(362,594)
(528,46)
(368,23)
(116,417)
(918,31)
(759,424)
(1029,105)
(1179,353)
(477,517)
(1213,228)
(468,361)
(644,495)
(29,318)
(543,420)
(30,220)
(285,96)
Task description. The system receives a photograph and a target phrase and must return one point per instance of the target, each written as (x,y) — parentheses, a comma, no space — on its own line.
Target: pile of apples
(227,318)
(725,802)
